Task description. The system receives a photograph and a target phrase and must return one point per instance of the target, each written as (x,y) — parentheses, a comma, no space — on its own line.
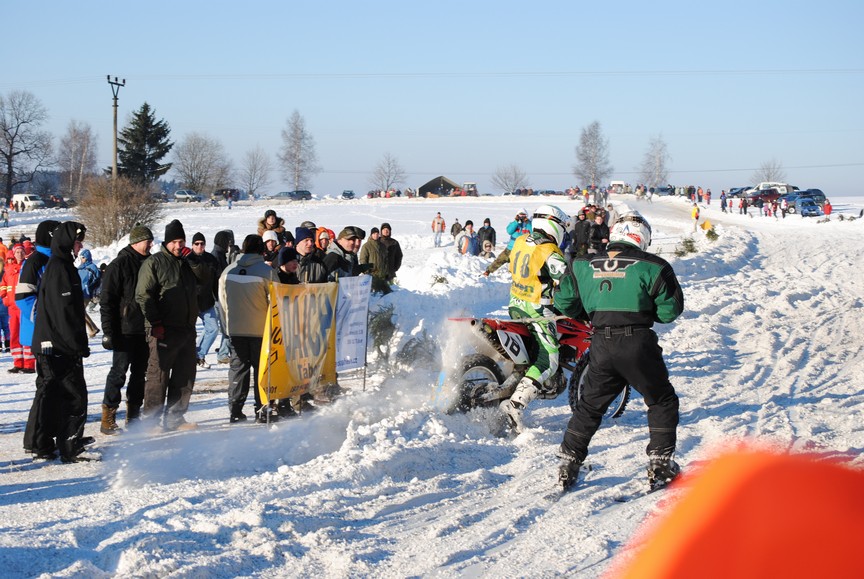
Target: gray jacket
(244,295)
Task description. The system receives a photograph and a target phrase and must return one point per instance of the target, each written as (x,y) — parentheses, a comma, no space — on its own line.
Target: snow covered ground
(769,349)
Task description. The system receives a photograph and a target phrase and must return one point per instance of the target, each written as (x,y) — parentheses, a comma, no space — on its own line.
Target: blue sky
(462,88)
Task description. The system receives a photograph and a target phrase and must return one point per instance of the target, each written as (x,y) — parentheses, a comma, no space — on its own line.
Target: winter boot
(70,449)
(661,470)
(237,415)
(526,391)
(133,413)
(109,421)
(568,470)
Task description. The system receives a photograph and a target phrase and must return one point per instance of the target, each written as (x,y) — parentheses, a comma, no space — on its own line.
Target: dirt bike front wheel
(470,377)
(577,379)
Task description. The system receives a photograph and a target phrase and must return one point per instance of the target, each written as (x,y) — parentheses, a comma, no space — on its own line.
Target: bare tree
(201,163)
(654,170)
(769,171)
(592,156)
(297,156)
(509,178)
(110,209)
(24,148)
(76,157)
(388,173)
(255,171)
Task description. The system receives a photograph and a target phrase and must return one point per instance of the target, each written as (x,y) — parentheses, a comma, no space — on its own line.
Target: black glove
(85,353)
(365,267)
(107,342)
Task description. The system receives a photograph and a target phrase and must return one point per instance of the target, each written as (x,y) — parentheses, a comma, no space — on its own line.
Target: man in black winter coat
(60,344)
(123,330)
(25,297)
(392,253)
(224,249)
(599,235)
(487,233)
(580,236)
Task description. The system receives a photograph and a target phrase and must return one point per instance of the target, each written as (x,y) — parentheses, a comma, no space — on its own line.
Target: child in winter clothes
(487,250)
(90,275)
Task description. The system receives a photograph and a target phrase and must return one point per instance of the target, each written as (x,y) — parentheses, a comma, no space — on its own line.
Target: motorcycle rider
(624,290)
(537,265)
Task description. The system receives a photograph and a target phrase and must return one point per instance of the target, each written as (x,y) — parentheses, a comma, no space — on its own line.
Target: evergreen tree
(141,147)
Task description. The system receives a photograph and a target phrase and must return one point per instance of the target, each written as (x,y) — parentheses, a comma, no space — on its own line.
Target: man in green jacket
(168,297)
(623,290)
(373,254)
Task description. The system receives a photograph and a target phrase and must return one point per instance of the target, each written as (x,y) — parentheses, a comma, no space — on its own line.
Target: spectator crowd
(150,303)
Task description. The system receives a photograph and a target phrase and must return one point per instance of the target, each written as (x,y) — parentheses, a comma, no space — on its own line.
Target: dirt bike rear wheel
(473,371)
(619,404)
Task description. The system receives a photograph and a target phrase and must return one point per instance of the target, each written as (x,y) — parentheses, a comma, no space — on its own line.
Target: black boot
(133,413)
(568,470)
(237,414)
(662,470)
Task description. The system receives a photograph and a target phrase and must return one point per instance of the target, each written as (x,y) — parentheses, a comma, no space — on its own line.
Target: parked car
(347,194)
(294,195)
(736,191)
(664,190)
(28,201)
(187,195)
(807,207)
(55,201)
(814,194)
(790,198)
(780,187)
(766,195)
(222,194)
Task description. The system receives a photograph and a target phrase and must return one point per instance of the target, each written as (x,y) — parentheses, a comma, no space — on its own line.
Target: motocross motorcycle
(480,381)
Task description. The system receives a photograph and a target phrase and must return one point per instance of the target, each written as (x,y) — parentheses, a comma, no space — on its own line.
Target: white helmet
(551,221)
(631,228)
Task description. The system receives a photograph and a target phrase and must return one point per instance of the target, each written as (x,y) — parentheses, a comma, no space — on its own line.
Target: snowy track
(380,484)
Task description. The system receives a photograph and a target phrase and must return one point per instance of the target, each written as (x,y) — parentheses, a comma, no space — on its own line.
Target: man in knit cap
(168,297)
(392,253)
(123,330)
(310,258)
(207,271)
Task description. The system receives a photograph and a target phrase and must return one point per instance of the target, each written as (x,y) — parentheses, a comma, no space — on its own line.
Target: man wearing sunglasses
(206,269)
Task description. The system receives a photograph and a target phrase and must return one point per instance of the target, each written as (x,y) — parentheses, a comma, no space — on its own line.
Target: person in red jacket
(827,208)
(22,359)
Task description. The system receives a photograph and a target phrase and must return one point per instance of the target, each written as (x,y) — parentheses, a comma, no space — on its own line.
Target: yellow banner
(299,340)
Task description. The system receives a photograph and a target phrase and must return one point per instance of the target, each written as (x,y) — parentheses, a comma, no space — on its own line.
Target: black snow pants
(65,404)
(131,356)
(245,362)
(621,356)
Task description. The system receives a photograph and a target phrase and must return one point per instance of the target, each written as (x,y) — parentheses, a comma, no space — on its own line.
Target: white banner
(352,315)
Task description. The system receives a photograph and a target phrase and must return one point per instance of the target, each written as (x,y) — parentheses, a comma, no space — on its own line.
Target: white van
(27,201)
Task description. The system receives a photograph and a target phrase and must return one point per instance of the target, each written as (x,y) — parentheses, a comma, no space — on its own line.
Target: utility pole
(115,88)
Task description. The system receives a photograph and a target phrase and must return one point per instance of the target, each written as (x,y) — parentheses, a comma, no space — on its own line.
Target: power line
(442,74)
